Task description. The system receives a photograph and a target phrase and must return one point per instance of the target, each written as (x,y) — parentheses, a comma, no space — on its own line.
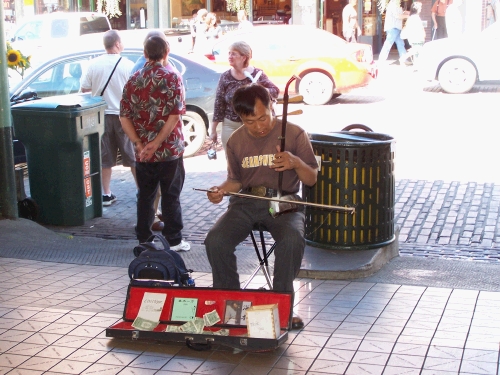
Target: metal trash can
(357,170)
(62,137)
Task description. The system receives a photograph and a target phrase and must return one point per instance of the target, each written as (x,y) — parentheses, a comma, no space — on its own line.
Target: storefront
(369,20)
(173,13)
(325,14)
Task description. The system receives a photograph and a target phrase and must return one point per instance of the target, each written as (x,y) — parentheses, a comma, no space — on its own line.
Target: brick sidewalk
(436,219)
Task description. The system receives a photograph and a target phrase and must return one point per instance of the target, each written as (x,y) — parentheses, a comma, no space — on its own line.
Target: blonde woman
(240,74)
(213,30)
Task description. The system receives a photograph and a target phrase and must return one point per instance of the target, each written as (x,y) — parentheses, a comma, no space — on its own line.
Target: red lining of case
(219,296)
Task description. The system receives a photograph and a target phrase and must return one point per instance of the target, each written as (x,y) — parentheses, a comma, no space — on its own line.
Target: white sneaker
(183,246)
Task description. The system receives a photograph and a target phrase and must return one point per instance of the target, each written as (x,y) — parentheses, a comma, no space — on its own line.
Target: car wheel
(457,76)
(194,132)
(316,88)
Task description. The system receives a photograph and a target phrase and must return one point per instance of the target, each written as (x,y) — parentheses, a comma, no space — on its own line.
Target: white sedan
(458,63)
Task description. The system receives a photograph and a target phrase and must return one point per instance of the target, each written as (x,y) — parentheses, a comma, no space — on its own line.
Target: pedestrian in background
(393,25)
(213,30)
(201,27)
(244,23)
(350,22)
(192,27)
(414,32)
(240,74)
(438,12)
(150,113)
(453,18)
(106,76)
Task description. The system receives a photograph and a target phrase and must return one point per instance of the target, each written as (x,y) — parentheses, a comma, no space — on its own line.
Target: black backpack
(159,264)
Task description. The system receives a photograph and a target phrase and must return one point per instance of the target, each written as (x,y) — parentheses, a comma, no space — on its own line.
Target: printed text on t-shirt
(257,161)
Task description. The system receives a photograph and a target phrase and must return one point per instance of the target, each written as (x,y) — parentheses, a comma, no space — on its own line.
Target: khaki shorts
(114,139)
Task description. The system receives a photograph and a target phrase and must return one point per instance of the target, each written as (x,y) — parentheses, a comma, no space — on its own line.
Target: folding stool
(262,254)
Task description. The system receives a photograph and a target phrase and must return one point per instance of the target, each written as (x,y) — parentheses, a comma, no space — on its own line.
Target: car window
(61,79)
(96,24)
(29,31)
(59,28)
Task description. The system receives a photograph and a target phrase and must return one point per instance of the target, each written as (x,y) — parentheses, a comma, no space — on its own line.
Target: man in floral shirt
(150,113)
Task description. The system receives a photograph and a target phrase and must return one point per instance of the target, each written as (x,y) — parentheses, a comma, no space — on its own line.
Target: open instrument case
(208,300)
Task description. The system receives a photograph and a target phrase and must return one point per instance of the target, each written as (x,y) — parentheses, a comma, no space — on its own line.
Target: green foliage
(236,5)
(109,7)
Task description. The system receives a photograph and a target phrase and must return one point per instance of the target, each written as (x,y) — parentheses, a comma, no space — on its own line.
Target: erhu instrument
(283,204)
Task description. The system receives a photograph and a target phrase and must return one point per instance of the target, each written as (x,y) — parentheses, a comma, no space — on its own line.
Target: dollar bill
(188,327)
(211,318)
(199,324)
(222,332)
(144,324)
(172,328)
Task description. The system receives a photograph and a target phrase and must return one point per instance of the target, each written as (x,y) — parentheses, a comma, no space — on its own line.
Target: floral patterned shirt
(149,97)
(223,107)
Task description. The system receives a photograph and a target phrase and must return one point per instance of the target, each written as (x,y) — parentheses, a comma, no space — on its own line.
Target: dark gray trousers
(235,225)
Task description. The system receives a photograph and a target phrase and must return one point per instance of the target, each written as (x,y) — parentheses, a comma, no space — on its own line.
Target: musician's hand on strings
(215,194)
(283,161)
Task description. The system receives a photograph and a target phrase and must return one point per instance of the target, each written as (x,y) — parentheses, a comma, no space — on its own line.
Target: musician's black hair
(245,98)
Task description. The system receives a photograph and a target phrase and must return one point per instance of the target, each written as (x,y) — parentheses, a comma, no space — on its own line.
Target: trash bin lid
(69,106)
(346,138)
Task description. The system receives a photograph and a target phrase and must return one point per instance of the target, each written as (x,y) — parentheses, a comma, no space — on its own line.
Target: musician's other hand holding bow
(215,194)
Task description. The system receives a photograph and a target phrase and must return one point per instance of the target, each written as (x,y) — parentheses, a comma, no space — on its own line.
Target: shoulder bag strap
(111,75)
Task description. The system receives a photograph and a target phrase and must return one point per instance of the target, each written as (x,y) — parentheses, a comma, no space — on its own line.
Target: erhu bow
(281,200)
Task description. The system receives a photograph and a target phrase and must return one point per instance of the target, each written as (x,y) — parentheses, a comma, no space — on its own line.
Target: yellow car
(326,64)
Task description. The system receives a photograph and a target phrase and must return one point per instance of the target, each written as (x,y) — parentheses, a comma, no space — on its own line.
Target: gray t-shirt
(248,158)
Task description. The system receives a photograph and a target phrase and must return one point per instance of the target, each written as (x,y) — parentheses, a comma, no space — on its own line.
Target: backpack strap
(162,239)
(111,75)
(166,249)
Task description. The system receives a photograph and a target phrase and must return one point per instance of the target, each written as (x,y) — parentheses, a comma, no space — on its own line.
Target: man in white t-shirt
(106,76)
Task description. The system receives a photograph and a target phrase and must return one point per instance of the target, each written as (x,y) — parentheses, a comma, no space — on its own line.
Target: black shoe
(297,323)
(108,199)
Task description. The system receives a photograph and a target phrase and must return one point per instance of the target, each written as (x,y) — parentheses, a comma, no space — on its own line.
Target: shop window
(369,26)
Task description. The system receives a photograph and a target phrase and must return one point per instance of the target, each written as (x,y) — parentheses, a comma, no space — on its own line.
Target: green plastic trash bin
(62,137)
(357,170)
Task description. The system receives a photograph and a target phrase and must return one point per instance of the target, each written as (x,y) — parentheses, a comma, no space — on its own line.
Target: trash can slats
(359,174)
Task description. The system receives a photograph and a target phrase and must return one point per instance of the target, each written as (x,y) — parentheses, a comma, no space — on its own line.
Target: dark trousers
(169,175)
(235,225)
(441,31)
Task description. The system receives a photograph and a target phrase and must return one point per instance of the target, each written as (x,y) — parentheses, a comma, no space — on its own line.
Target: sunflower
(13,58)
(17,61)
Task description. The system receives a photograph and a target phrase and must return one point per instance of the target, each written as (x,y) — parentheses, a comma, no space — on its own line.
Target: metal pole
(8,194)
